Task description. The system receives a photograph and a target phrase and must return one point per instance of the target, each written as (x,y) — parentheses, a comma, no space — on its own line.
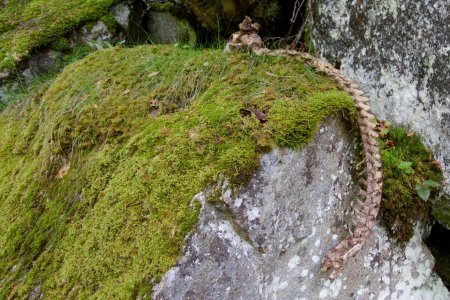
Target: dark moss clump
(411,177)
(61,44)
(440,210)
(99,170)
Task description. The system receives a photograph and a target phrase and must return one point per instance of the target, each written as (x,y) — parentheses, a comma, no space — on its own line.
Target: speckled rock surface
(399,52)
(268,240)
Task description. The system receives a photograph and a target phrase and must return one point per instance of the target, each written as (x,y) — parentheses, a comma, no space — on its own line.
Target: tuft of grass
(98,171)
(27,25)
(408,169)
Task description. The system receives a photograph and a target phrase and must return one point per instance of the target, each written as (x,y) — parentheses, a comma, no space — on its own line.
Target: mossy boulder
(27,25)
(99,170)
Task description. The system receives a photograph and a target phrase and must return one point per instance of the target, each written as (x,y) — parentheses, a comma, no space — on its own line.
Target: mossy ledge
(98,172)
(407,164)
(27,25)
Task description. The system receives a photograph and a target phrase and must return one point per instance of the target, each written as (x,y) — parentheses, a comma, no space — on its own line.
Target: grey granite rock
(165,28)
(96,35)
(399,52)
(42,61)
(121,13)
(267,240)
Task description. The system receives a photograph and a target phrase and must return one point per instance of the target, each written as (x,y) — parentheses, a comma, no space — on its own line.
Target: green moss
(26,25)
(308,42)
(99,170)
(110,22)
(61,44)
(440,209)
(165,7)
(406,164)
(296,122)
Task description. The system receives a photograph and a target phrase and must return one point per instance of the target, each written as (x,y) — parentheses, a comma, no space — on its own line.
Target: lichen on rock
(266,240)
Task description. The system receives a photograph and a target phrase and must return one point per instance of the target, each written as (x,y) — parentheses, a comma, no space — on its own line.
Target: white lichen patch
(323,294)
(293,262)
(238,202)
(276,285)
(253,213)
(331,288)
(315,259)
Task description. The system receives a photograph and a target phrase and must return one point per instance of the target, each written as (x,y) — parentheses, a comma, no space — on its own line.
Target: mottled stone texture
(268,240)
(95,35)
(399,52)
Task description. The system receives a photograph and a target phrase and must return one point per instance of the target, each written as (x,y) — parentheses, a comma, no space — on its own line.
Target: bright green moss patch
(407,168)
(26,25)
(98,172)
(293,121)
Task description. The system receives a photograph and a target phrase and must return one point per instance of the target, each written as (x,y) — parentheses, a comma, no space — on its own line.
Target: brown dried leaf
(381,125)
(165,132)
(410,133)
(390,143)
(245,112)
(258,114)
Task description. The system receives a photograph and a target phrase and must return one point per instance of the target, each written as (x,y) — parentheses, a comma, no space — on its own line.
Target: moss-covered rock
(98,171)
(26,25)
